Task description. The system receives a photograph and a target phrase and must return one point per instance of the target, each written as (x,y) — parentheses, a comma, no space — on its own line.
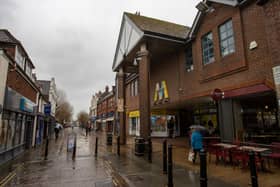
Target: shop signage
(47,109)
(26,105)
(276,74)
(134,114)
(161,93)
(120,103)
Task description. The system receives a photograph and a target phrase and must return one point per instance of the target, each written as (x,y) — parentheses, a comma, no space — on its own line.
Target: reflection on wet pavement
(107,169)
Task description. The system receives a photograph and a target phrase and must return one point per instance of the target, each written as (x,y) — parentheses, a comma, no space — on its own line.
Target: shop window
(11,130)
(3,133)
(226,38)
(207,48)
(18,129)
(189,59)
(134,126)
(22,130)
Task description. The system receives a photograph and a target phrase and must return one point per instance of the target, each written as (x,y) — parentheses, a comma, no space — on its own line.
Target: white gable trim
(200,14)
(226,2)
(125,20)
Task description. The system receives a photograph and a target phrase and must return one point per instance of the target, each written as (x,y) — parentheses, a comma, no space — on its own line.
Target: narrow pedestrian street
(107,169)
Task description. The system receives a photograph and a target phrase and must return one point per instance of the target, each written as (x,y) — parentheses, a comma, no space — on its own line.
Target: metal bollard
(253,171)
(96,146)
(118,146)
(164,157)
(47,148)
(150,150)
(170,167)
(74,148)
(203,168)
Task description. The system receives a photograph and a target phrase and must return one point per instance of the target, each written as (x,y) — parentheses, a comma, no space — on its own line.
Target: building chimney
(107,89)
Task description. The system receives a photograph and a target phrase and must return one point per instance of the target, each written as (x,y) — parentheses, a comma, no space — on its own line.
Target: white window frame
(226,36)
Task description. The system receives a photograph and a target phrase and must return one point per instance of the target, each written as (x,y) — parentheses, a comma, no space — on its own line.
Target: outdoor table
(227,147)
(257,150)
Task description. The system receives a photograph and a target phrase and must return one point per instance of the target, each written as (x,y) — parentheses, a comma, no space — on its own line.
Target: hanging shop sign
(161,93)
(120,105)
(217,94)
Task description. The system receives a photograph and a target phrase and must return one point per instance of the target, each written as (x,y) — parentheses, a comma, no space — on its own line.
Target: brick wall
(16,81)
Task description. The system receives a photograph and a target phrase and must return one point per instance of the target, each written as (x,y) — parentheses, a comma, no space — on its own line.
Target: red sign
(217,94)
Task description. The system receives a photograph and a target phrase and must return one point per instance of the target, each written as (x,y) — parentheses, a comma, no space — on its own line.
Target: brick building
(176,70)
(21,95)
(105,119)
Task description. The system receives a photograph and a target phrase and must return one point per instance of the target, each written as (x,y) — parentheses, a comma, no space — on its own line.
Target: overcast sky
(75,40)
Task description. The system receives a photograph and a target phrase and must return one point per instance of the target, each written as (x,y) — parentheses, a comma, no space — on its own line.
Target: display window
(134,126)
(159,125)
(11,130)
(3,134)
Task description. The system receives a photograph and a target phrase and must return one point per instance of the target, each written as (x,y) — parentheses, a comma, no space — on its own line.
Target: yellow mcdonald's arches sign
(161,92)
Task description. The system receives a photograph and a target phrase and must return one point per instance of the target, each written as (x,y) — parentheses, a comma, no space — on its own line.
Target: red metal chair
(240,157)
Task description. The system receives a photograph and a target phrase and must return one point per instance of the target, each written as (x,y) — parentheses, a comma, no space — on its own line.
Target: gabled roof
(153,25)
(7,37)
(134,27)
(200,14)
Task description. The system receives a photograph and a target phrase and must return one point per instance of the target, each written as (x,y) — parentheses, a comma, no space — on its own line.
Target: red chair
(275,152)
(240,157)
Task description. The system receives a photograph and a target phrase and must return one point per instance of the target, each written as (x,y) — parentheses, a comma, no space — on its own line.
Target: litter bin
(139,146)
(109,138)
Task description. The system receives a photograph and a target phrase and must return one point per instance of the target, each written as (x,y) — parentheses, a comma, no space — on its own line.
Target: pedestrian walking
(196,142)
(56,131)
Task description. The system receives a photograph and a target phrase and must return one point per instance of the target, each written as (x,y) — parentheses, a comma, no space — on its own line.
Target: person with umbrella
(196,141)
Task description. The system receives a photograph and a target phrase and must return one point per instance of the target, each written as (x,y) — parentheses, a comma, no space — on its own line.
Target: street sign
(47,109)
(217,94)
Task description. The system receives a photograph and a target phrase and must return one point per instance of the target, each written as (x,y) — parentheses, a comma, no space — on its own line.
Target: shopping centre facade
(164,70)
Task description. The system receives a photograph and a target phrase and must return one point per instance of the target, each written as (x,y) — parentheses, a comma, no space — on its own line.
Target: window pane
(207,48)
(3,134)
(226,38)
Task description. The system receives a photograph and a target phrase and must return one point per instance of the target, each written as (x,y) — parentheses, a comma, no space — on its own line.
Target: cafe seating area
(236,153)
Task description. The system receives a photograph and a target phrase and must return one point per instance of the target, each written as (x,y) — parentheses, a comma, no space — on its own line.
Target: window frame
(208,49)
(188,58)
(227,38)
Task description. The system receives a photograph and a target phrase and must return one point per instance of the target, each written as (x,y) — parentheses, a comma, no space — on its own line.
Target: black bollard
(253,171)
(47,148)
(96,146)
(150,150)
(169,169)
(164,157)
(74,148)
(118,146)
(203,168)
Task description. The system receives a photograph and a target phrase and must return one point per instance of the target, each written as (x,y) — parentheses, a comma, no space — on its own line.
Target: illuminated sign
(161,93)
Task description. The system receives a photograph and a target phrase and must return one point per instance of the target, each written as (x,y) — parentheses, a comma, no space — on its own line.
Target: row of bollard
(168,166)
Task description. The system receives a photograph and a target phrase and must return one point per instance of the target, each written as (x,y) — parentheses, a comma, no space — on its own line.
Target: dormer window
(28,69)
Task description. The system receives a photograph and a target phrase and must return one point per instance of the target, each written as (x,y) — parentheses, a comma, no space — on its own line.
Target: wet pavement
(105,170)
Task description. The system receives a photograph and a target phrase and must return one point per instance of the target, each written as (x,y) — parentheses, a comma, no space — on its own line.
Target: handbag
(191,156)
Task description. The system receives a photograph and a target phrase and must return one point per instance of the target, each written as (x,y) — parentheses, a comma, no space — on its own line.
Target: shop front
(159,123)
(17,125)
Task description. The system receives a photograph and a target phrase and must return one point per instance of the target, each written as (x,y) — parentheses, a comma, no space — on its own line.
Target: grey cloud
(74,41)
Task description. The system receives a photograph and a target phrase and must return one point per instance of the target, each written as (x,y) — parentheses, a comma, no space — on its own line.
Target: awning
(110,119)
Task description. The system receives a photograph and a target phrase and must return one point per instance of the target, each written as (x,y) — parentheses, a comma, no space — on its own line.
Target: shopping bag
(190,156)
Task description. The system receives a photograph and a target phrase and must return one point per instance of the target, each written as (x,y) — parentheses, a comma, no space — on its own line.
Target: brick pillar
(144,92)
(120,103)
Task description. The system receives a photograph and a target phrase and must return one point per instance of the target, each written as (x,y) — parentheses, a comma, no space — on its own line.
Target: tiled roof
(159,26)
(5,36)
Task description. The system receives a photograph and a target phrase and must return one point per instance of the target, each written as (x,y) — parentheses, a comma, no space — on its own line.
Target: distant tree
(83,118)
(64,110)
